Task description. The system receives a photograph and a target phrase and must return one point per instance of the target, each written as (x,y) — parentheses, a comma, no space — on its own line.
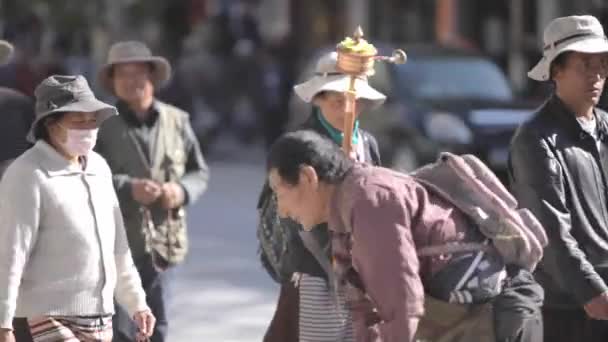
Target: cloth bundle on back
(472,187)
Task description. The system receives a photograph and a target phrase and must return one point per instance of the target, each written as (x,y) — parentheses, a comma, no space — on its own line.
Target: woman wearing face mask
(63,250)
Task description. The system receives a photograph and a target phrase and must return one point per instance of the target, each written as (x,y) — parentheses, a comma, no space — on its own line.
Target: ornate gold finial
(358,34)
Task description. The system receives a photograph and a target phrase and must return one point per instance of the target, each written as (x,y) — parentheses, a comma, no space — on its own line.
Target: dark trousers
(21,329)
(563,325)
(156,285)
(284,326)
(517,310)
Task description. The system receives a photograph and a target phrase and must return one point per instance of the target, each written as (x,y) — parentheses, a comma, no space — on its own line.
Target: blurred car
(442,99)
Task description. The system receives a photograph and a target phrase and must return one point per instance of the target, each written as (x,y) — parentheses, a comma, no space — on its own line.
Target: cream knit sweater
(63,247)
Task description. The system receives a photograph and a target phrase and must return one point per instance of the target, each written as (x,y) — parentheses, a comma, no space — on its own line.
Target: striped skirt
(72,329)
(321,318)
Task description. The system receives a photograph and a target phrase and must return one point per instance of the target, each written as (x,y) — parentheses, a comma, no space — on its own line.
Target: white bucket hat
(134,52)
(328,78)
(6,49)
(574,33)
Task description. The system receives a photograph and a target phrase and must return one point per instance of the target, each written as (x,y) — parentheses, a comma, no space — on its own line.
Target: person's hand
(597,308)
(172,195)
(145,324)
(145,191)
(6,335)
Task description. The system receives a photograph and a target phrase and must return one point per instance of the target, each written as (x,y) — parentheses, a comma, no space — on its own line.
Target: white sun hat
(582,33)
(327,77)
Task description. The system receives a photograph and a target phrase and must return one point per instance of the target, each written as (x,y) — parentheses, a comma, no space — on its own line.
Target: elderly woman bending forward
(63,249)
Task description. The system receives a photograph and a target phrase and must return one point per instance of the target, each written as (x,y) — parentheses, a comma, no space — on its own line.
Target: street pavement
(221,293)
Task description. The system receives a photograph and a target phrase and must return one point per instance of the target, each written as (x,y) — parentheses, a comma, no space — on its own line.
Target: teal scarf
(335,134)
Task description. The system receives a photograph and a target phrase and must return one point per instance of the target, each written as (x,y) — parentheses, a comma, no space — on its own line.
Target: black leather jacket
(557,172)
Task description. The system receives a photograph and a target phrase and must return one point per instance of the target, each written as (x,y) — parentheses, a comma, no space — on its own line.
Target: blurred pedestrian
(270,104)
(558,169)
(17,116)
(64,251)
(158,169)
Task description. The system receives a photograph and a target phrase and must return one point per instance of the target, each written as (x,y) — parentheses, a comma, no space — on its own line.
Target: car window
(454,77)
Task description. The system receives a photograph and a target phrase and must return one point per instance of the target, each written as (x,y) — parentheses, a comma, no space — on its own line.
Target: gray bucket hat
(6,50)
(580,33)
(59,93)
(133,52)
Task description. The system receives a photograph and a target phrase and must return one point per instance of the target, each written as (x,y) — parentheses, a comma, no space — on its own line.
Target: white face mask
(80,142)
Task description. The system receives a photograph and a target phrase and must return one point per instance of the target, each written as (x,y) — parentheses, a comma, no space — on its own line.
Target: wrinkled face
(303,202)
(133,82)
(582,77)
(332,104)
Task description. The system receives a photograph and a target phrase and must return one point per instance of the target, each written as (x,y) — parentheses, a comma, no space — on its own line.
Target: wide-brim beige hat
(63,94)
(574,33)
(328,78)
(134,52)
(6,50)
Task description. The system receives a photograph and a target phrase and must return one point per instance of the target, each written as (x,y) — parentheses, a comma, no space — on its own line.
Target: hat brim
(542,70)
(160,75)
(101,109)
(339,83)
(6,50)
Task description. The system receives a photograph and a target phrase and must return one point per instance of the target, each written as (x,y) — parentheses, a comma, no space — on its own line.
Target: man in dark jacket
(158,169)
(559,170)
(17,116)
(306,308)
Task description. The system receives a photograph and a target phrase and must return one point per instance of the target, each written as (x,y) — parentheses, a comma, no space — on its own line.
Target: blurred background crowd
(235,61)
(464,89)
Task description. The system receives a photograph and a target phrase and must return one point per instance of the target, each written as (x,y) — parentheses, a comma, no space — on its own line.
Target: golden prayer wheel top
(356,55)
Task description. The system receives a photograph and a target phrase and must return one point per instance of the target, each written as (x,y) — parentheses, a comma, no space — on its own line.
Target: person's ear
(318,98)
(316,101)
(309,176)
(557,73)
(50,125)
